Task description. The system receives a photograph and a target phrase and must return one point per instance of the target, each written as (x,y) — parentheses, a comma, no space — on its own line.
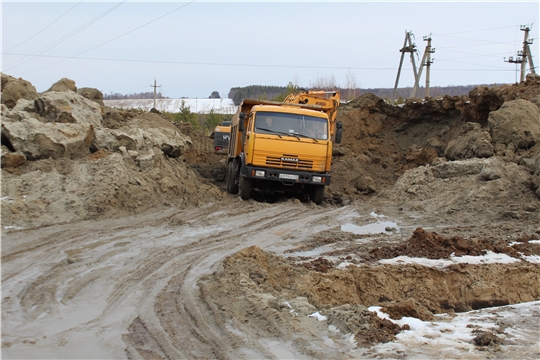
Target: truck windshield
(267,122)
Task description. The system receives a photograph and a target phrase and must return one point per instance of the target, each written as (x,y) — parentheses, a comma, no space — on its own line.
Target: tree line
(142,95)
(278,93)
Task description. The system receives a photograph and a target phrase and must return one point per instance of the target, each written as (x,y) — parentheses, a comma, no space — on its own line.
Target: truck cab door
(248,140)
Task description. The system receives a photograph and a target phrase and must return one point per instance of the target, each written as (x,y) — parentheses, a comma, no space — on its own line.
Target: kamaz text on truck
(283,147)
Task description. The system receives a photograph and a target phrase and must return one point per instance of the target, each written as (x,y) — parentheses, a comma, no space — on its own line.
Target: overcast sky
(194,48)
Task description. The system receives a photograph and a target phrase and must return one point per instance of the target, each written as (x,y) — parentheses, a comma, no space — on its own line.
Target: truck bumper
(287,177)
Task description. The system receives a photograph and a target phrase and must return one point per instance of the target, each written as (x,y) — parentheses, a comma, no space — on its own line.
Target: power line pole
(426,61)
(410,48)
(154,86)
(524,55)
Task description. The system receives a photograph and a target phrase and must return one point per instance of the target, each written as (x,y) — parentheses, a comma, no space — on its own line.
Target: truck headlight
(259,173)
(316,179)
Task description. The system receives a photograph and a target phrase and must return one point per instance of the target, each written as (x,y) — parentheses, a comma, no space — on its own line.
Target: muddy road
(240,280)
(114,288)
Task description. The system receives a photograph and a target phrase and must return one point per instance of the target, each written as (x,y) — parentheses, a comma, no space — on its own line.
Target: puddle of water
(375,228)
(311,253)
(122,243)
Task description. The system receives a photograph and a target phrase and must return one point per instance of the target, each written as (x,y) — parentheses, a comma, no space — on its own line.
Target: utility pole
(154,86)
(524,55)
(410,48)
(426,61)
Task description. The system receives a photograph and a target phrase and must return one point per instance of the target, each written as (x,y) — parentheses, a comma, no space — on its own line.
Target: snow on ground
(451,336)
(489,258)
(200,106)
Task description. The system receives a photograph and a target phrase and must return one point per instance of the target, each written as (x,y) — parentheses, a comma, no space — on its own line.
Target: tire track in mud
(194,328)
(147,290)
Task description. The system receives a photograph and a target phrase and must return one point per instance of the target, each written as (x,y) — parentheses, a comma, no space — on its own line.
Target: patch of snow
(451,336)
(289,305)
(535,259)
(343,265)
(199,106)
(375,228)
(318,316)
(489,258)
(333,329)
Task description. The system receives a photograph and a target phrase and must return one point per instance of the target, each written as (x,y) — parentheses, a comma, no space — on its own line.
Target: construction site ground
(419,249)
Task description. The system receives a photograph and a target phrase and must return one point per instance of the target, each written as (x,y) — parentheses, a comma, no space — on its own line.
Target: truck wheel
(317,194)
(232,187)
(245,187)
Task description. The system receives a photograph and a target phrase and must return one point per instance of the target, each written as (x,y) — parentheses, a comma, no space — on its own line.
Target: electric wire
(106,42)
(46,27)
(311,66)
(197,63)
(12,10)
(469,31)
(68,36)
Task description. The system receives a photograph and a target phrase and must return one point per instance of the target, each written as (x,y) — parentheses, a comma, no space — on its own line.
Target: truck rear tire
(232,187)
(317,194)
(245,187)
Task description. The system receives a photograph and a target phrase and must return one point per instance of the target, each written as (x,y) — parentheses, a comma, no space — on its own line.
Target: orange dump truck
(221,135)
(284,146)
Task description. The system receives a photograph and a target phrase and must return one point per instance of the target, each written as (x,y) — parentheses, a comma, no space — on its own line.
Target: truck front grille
(278,161)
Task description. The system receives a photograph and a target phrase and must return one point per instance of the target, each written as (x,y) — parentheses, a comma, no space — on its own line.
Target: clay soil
(213,276)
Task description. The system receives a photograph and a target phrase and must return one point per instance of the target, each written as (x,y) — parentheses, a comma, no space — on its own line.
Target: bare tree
(350,80)
(327,84)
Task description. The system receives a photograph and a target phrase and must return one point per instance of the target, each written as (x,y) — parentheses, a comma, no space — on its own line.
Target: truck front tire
(317,194)
(245,187)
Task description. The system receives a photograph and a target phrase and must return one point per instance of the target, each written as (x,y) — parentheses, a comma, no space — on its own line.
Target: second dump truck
(284,146)
(221,135)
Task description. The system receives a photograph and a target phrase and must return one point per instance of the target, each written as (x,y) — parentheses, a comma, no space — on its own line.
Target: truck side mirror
(339,132)
(242,117)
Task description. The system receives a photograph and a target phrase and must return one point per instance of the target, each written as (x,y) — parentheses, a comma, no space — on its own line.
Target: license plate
(288,176)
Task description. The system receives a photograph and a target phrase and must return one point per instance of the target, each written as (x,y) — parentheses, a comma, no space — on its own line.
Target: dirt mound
(266,291)
(277,295)
(474,188)
(66,158)
(431,245)
(63,84)
(253,269)
(407,307)
(381,142)
(14,89)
